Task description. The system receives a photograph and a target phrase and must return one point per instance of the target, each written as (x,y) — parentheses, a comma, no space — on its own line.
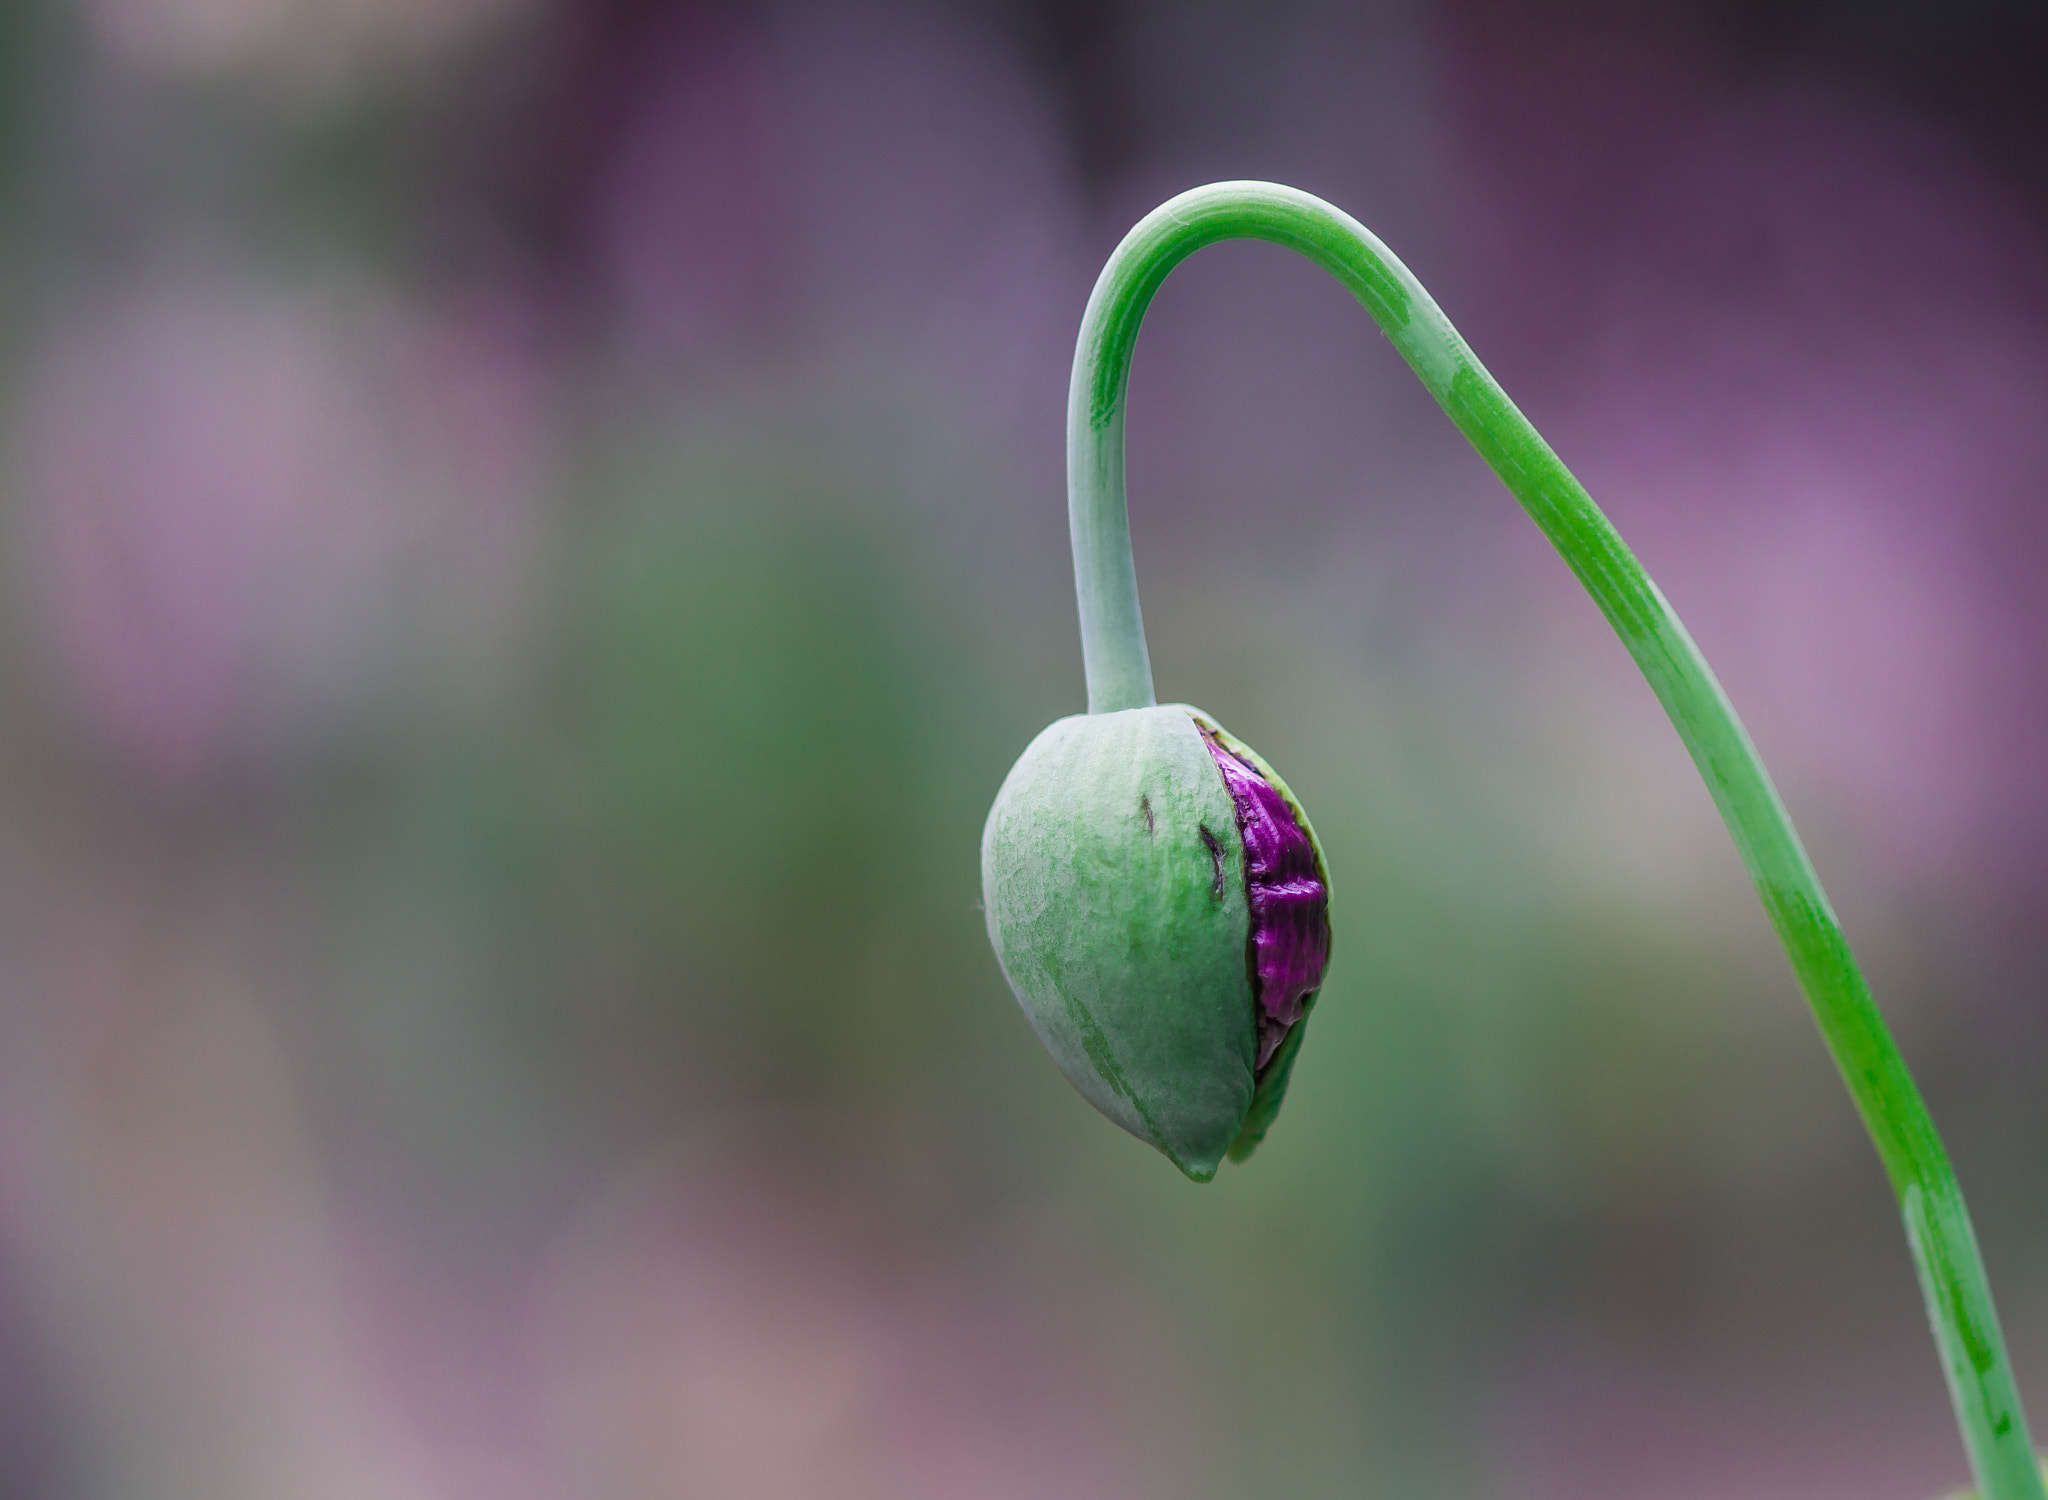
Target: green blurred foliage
(695,847)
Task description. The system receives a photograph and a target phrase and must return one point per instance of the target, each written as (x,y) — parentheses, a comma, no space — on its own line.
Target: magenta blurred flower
(1816,374)
(294,41)
(857,192)
(227,492)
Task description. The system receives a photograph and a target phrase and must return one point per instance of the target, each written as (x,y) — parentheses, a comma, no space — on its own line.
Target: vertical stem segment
(1119,676)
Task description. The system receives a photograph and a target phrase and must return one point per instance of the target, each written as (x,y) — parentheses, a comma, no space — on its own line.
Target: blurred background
(531,531)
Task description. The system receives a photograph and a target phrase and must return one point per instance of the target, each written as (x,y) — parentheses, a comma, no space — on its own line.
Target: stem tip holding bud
(1170,967)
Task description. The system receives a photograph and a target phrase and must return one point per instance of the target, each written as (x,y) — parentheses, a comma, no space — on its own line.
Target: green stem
(1120,676)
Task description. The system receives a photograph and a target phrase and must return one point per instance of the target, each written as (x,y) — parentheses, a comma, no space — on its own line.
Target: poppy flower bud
(1160,906)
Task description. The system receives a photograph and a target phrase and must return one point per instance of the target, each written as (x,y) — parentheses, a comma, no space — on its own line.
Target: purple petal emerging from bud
(1290,905)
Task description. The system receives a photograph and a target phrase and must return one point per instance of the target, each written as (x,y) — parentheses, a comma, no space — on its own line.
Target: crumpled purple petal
(1290,905)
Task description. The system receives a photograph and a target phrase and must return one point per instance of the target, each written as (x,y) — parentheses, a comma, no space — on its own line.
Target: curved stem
(1119,676)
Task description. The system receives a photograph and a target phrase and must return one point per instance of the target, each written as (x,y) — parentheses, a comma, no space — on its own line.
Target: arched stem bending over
(1120,676)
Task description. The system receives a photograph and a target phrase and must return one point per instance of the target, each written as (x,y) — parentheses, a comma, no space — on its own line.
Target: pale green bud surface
(1113,877)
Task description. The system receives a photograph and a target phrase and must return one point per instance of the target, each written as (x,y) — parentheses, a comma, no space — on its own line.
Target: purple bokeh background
(533,530)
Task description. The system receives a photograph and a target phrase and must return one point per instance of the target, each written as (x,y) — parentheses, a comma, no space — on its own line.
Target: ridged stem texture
(1944,1248)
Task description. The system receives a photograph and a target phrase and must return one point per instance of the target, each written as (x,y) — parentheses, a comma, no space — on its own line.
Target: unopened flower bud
(1160,906)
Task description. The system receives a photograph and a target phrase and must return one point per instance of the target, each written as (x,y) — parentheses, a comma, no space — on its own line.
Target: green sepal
(1272,1084)
(1113,882)
(1272,1087)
